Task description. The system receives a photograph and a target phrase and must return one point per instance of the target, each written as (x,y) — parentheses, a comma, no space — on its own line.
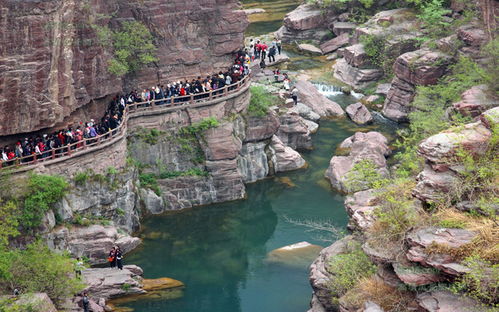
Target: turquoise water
(219,251)
(272,19)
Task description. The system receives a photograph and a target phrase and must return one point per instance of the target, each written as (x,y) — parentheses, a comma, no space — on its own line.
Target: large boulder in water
(311,97)
(111,282)
(295,255)
(294,132)
(304,17)
(355,77)
(93,242)
(359,113)
(370,146)
(286,158)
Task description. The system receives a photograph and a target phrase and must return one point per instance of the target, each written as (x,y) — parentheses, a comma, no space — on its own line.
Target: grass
(389,298)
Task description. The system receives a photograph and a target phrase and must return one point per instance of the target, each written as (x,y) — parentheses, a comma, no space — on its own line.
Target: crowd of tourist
(258,50)
(56,144)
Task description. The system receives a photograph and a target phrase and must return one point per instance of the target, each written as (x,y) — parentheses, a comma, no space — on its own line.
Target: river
(220,251)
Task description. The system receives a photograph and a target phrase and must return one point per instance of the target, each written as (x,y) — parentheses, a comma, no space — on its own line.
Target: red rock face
(51,63)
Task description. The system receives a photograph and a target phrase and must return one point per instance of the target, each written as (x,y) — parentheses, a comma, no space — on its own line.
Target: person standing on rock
(86,302)
(294,95)
(279,45)
(112,257)
(79,266)
(272,53)
(119,258)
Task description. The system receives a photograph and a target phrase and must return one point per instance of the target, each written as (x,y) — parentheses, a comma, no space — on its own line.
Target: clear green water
(271,20)
(219,251)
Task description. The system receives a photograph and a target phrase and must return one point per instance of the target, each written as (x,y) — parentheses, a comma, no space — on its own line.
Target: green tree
(43,192)
(8,222)
(133,48)
(38,269)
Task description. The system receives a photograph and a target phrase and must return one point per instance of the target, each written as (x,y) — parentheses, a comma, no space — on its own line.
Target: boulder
(295,255)
(359,113)
(311,97)
(421,67)
(93,242)
(433,186)
(474,101)
(153,203)
(343,28)
(316,305)
(441,148)
(305,112)
(261,128)
(355,77)
(472,35)
(370,100)
(335,43)
(417,275)
(490,118)
(360,207)
(111,282)
(421,239)
(320,277)
(383,88)
(286,158)
(370,306)
(398,100)
(312,126)
(446,301)
(309,48)
(371,145)
(36,301)
(355,55)
(160,284)
(304,17)
(294,132)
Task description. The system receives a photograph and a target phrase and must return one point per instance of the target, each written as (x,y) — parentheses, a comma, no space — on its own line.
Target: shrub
(149,180)
(81,177)
(150,136)
(431,15)
(396,212)
(389,298)
(133,48)
(481,282)
(348,269)
(452,224)
(38,269)
(364,175)
(8,222)
(201,126)
(261,101)
(43,192)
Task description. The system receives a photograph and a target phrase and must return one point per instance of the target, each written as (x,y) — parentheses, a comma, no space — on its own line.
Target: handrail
(88,144)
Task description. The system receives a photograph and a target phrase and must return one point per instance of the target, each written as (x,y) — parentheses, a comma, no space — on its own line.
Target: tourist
(112,257)
(294,95)
(16,292)
(276,75)
(272,53)
(79,266)
(286,82)
(262,64)
(119,258)
(263,49)
(279,46)
(86,302)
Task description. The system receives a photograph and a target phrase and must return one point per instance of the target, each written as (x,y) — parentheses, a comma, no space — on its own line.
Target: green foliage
(38,269)
(430,14)
(201,126)
(11,305)
(191,172)
(481,283)
(133,47)
(150,136)
(81,178)
(8,222)
(261,101)
(112,170)
(126,287)
(429,115)
(364,175)
(491,52)
(376,49)
(452,224)
(149,180)
(120,212)
(396,212)
(43,192)
(348,269)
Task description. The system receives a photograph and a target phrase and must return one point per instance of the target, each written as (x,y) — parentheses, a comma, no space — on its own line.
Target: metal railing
(87,145)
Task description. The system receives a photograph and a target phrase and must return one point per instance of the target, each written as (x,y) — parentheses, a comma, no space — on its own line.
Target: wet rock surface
(359,114)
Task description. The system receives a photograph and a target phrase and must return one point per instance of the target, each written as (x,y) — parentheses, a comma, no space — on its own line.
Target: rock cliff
(54,71)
